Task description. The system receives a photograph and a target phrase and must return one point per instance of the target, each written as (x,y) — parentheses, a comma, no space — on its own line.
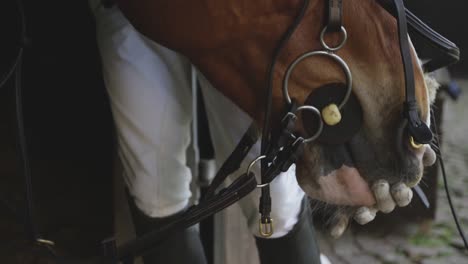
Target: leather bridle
(281,149)
(417,130)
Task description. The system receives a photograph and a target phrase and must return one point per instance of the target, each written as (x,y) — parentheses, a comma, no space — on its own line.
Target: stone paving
(427,242)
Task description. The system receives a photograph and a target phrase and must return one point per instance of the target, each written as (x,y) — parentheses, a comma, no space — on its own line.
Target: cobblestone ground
(428,242)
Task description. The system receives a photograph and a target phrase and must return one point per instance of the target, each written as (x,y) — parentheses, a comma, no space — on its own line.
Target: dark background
(449,18)
(69,128)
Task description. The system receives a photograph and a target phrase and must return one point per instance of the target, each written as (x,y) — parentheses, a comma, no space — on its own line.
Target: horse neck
(236,53)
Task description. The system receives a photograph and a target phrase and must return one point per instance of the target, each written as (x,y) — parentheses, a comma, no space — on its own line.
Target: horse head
(232,43)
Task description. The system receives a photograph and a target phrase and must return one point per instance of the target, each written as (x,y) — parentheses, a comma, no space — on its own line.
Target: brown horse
(232,42)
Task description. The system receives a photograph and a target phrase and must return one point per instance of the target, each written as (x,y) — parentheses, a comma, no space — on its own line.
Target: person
(149,91)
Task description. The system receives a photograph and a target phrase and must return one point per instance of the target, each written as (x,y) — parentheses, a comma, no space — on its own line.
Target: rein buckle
(265,227)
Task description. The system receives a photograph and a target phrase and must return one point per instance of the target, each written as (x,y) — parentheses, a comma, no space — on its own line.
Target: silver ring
(336,58)
(344,36)
(317,112)
(249,168)
(259,158)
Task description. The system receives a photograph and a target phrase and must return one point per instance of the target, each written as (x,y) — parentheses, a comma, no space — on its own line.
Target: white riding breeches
(150,96)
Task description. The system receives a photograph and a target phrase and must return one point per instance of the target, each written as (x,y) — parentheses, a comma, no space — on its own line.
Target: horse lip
(335,156)
(350,152)
(414,182)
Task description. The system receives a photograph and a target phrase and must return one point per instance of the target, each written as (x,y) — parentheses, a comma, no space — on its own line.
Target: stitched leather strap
(335,15)
(226,197)
(234,160)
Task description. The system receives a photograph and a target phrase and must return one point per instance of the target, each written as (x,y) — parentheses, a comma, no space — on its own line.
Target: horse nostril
(406,143)
(401,143)
(429,156)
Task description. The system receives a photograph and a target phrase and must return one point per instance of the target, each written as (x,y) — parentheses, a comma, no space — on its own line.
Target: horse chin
(329,175)
(344,174)
(343,186)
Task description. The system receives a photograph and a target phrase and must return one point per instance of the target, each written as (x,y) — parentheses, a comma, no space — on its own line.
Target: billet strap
(335,15)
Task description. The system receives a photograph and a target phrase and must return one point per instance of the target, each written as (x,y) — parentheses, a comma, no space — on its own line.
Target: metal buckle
(266,229)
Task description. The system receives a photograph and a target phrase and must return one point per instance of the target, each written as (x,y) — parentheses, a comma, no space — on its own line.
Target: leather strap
(449,53)
(234,160)
(335,15)
(30,224)
(226,197)
(267,145)
(416,127)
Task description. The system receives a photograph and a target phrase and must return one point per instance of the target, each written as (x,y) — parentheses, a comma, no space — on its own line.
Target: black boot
(297,247)
(181,247)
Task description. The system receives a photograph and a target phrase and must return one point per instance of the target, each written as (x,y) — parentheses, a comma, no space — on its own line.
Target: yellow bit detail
(414,144)
(331,115)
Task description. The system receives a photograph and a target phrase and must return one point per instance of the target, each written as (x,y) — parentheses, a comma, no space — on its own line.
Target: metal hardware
(344,37)
(336,58)
(259,158)
(266,228)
